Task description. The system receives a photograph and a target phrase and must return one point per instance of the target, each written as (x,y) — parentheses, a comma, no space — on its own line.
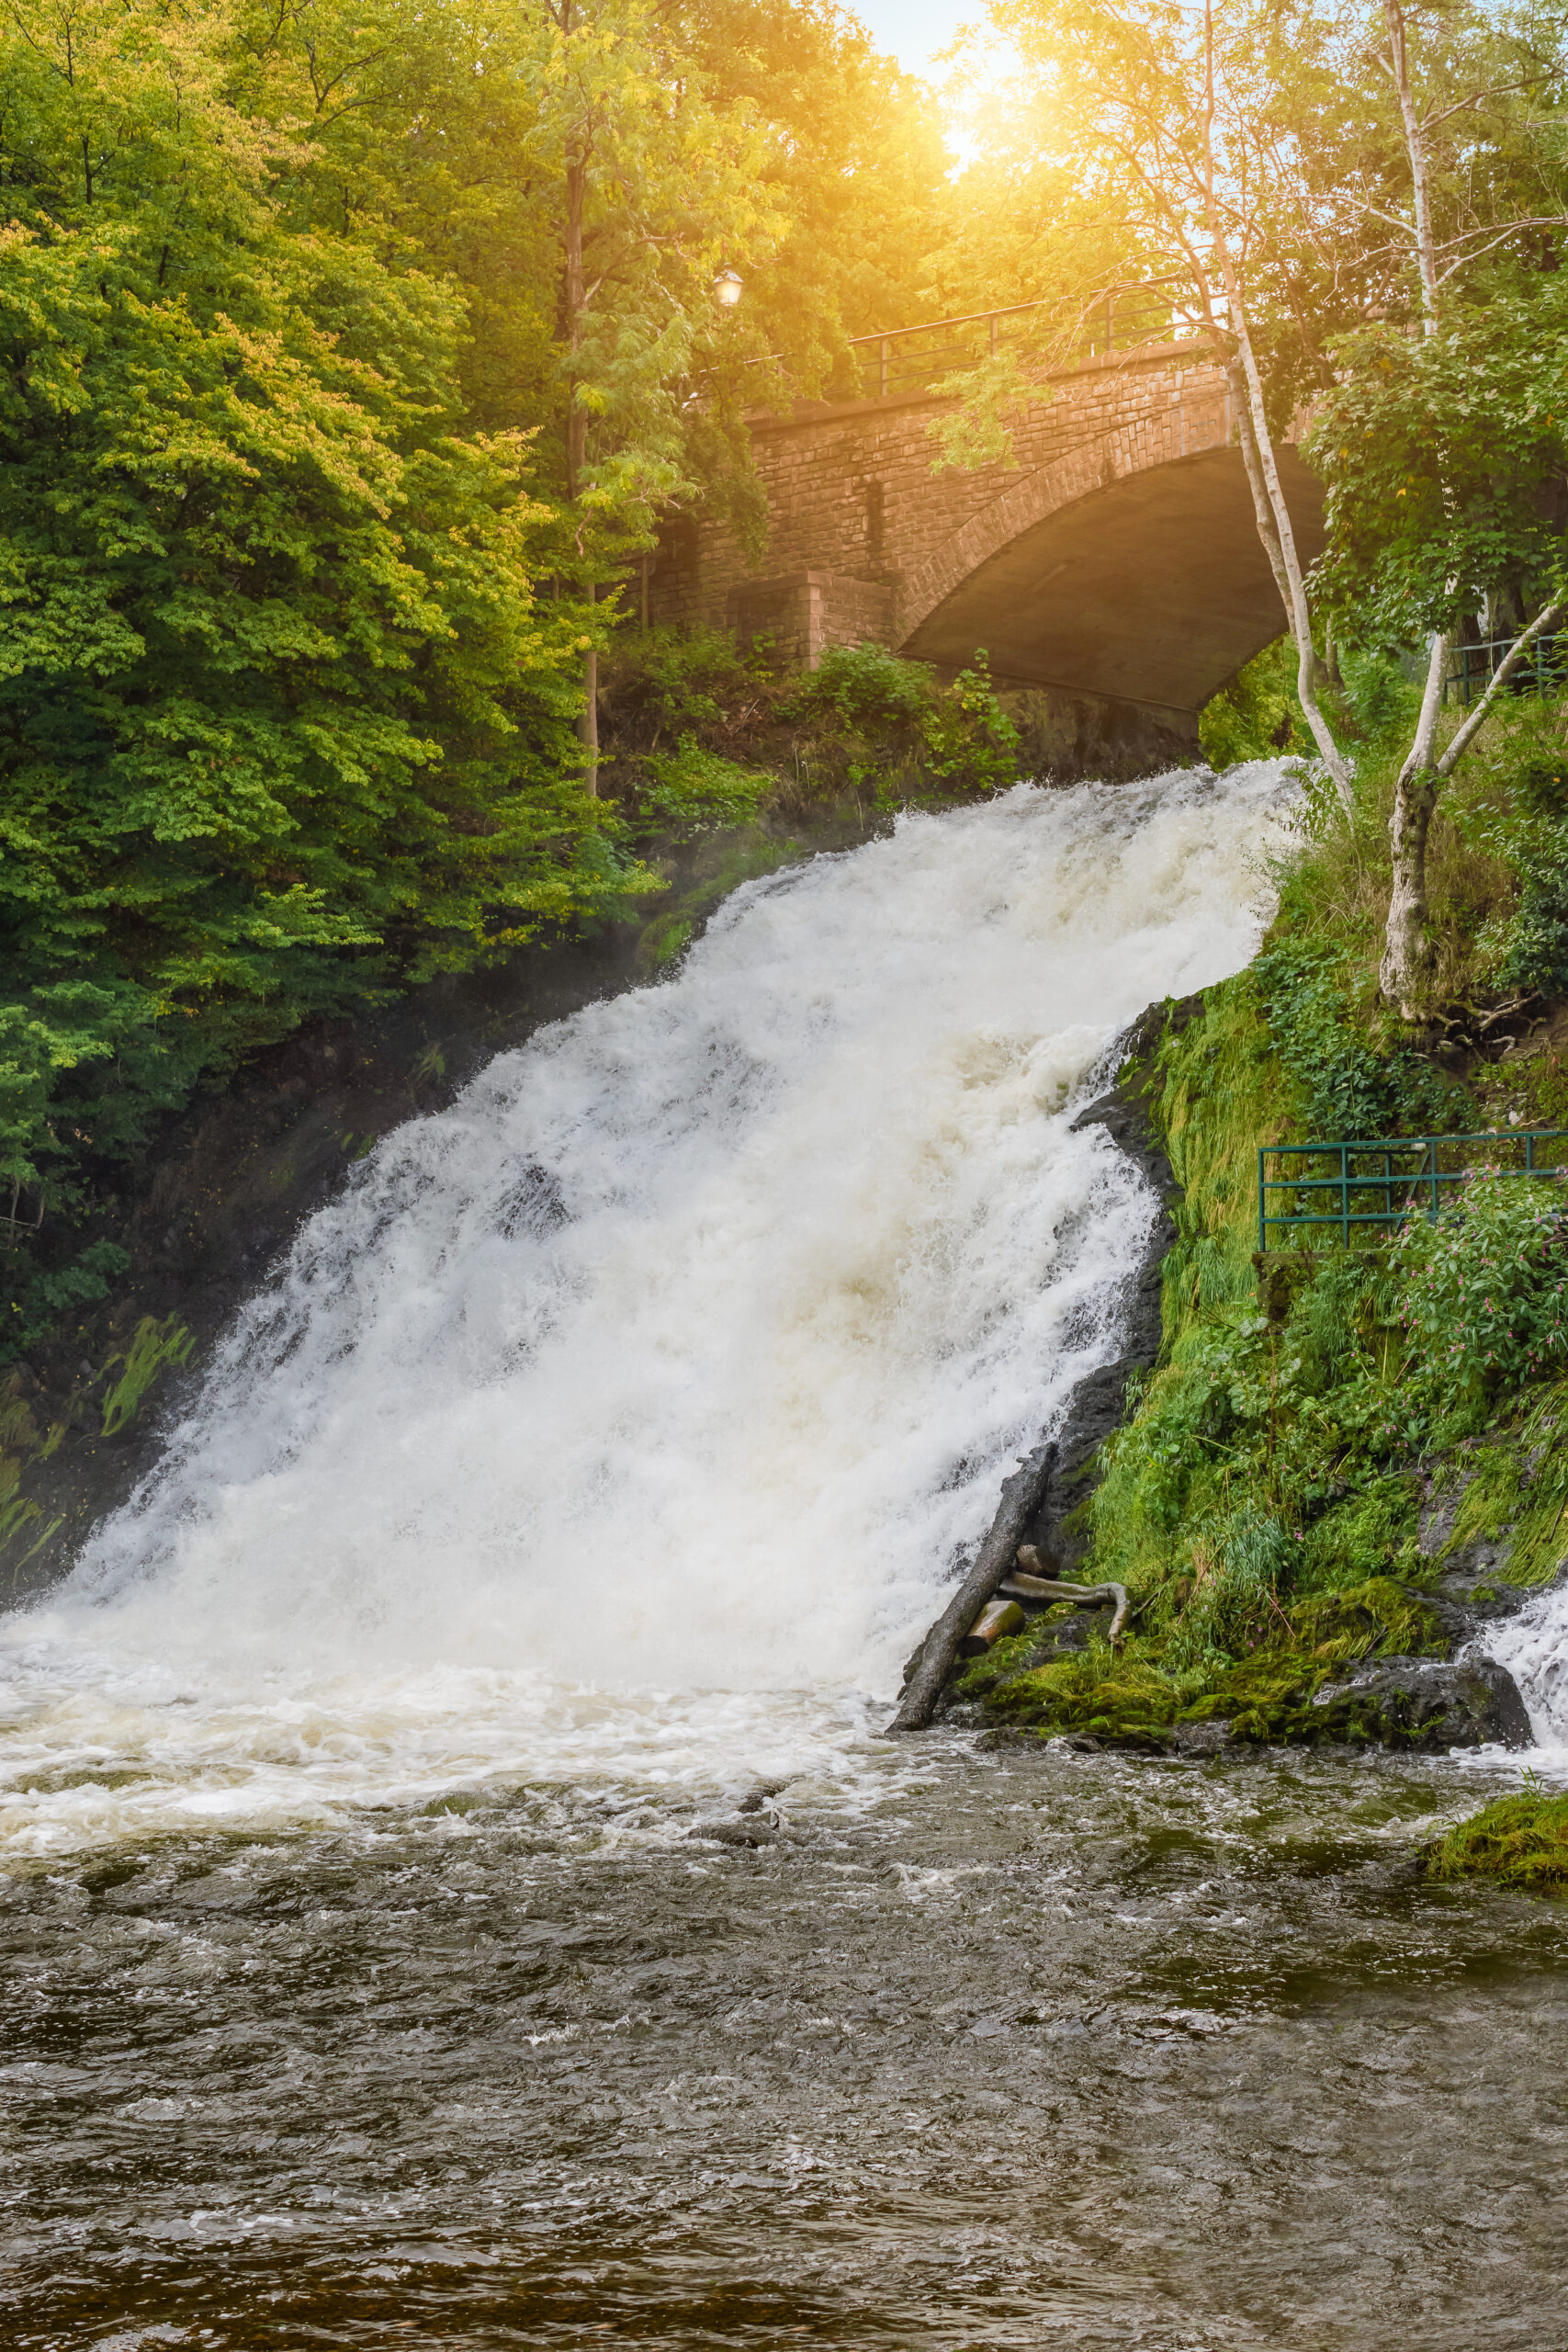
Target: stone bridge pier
(1110,571)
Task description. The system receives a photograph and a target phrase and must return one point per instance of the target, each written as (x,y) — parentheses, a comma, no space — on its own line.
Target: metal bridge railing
(1381,1184)
(910,359)
(1543,671)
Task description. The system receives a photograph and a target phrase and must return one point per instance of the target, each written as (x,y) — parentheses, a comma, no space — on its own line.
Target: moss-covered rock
(1520,1841)
(1037,1682)
(1424,1704)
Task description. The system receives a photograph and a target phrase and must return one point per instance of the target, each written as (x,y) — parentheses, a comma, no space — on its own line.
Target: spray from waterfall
(627,1417)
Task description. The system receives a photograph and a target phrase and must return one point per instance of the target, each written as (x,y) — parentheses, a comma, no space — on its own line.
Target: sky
(913,30)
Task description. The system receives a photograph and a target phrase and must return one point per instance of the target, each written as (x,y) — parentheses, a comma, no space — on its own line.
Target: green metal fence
(1348,1187)
(1541,672)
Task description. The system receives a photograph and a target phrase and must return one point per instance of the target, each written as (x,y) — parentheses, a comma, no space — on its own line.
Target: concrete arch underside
(1151,590)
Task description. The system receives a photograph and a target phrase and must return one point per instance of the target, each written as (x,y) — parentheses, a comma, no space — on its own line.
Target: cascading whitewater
(1534,1647)
(627,1417)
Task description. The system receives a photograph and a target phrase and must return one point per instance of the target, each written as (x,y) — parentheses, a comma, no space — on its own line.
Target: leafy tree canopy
(310,471)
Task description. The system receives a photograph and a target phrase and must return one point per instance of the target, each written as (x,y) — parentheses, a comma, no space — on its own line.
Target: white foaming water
(621,1424)
(1534,1647)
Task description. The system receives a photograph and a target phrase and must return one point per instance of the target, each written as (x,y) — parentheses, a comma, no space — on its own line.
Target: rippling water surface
(1033,2049)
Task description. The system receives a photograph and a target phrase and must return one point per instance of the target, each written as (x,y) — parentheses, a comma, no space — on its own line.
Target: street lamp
(726,288)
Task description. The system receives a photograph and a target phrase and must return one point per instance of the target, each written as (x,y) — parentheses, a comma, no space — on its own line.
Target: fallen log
(1021,1498)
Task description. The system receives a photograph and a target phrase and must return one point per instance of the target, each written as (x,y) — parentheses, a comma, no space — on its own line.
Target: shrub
(693,790)
(1531,947)
(904,730)
(1354,1082)
(1484,1286)
(665,681)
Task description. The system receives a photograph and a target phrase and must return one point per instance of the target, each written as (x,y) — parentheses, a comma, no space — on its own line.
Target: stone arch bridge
(1110,571)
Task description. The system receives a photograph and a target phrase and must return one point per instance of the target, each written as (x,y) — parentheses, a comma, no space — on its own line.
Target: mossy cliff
(1313,1501)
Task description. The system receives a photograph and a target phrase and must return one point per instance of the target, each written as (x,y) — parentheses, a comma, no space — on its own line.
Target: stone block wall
(866,539)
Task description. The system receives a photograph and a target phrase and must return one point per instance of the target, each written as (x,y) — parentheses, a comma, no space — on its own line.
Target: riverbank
(1338,1502)
(1315,1525)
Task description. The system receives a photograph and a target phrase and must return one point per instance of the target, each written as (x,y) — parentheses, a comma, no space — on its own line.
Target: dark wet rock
(737,1833)
(1468,1600)
(1099,1403)
(1423,1702)
(1481,1561)
(1200,1739)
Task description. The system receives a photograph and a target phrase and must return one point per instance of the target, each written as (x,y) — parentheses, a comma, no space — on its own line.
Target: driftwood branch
(1026,1585)
(1021,1498)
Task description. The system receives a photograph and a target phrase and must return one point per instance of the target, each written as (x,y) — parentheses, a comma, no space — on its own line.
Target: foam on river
(623,1422)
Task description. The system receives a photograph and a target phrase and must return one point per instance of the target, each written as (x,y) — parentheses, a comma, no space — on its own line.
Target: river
(456,1890)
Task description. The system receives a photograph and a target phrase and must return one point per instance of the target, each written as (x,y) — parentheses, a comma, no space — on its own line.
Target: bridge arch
(1112,569)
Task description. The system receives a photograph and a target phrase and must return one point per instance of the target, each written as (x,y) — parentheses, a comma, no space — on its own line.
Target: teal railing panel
(1349,1186)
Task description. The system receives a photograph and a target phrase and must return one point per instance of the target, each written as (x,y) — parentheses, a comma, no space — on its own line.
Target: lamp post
(726,288)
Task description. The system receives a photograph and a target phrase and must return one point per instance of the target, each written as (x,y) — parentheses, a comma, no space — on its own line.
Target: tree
(281,723)
(1157,119)
(1467,417)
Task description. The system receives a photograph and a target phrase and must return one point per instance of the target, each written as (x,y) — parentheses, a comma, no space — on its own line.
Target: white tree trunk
(1407,949)
(1415,148)
(1283,543)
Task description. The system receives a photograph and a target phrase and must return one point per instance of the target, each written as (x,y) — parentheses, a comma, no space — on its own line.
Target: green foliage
(1257,716)
(693,789)
(1526,826)
(1273,1458)
(703,729)
(904,732)
(1520,1841)
(674,682)
(1438,452)
(864,687)
(1484,1287)
(39,1301)
(1381,700)
(283,726)
(1353,1081)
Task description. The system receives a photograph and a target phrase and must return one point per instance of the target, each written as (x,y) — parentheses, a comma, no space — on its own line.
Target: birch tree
(1408,947)
(1163,111)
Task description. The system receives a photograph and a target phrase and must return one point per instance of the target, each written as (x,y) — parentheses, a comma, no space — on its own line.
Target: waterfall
(627,1417)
